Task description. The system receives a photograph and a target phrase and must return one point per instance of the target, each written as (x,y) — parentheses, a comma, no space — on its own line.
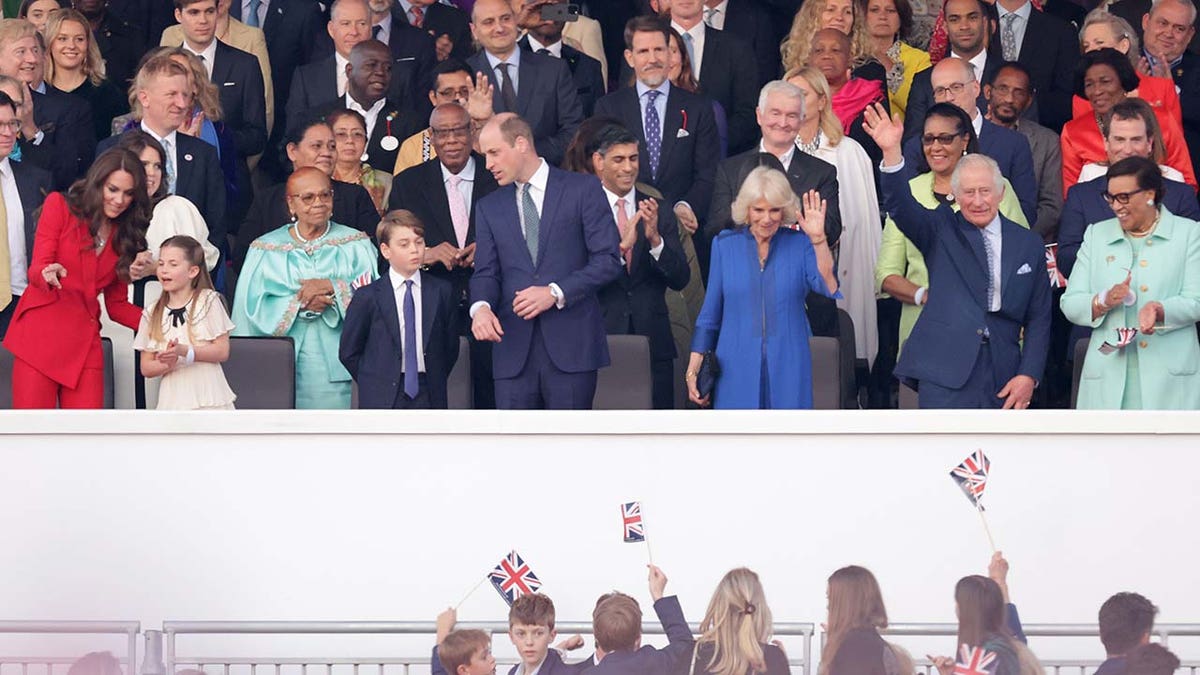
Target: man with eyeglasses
(1010,93)
(1168,29)
(23,186)
(953,82)
(452,83)
(967,28)
(368,80)
(442,192)
(1127,137)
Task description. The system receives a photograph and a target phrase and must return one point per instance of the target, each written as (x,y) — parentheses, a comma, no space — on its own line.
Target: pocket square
(1024,269)
(228,84)
(682,133)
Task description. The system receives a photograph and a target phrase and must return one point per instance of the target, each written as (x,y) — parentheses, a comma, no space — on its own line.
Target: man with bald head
(443,192)
(537,87)
(546,243)
(954,82)
(983,336)
(368,79)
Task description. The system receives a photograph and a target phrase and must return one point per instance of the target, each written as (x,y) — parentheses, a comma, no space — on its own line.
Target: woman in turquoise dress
(1140,270)
(753,313)
(297,281)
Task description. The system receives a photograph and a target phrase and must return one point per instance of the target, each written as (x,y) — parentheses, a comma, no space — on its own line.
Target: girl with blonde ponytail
(736,630)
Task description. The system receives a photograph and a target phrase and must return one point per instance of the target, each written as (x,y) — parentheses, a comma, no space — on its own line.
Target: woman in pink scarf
(830,54)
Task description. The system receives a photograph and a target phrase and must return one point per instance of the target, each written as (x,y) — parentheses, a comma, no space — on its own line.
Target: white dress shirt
(1019,24)
(977,123)
(399,288)
(697,33)
(978,63)
(385,29)
(631,208)
(206,55)
(17,263)
(537,192)
(340,62)
(171,147)
(785,159)
(515,59)
(371,115)
(554,49)
(718,14)
(521,668)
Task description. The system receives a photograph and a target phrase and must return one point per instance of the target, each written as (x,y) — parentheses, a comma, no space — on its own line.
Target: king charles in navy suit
(545,243)
(982,339)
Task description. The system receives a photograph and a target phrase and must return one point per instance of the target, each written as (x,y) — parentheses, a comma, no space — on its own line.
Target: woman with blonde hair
(821,136)
(842,15)
(74,65)
(736,631)
(856,615)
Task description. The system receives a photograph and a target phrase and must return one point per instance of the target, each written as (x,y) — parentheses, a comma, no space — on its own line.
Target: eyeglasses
(350,136)
(310,198)
(452,131)
(941,139)
(448,94)
(12,126)
(954,89)
(1121,198)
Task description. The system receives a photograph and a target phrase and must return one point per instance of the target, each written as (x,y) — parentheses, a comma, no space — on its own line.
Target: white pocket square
(228,84)
(1025,269)
(682,133)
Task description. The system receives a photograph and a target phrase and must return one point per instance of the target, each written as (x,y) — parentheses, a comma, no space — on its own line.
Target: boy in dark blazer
(398,340)
(617,625)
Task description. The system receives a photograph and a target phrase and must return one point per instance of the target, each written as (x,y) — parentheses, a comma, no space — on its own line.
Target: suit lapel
(439,203)
(1009,256)
(672,123)
(550,204)
(385,300)
(184,161)
(221,67)
(971,260)
(482,177)
(27,191)
(526,76)
(510,217)
(428,312)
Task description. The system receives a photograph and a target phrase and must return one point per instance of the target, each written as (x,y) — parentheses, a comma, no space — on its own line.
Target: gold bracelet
(689,375)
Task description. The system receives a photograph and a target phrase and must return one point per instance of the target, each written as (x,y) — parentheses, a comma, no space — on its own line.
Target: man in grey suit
(1009,94)
(538,88)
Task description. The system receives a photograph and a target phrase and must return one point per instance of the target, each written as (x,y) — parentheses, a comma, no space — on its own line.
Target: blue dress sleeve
(1013,618)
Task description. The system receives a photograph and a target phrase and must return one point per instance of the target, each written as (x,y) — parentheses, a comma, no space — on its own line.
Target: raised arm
(914,220)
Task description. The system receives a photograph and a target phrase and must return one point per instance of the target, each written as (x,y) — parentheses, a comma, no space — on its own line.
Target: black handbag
(706,376)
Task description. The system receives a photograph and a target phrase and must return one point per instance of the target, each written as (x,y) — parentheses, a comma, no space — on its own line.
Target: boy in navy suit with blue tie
(398,340)
(617,625)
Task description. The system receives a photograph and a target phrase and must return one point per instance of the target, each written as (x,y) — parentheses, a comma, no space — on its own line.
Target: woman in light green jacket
(1140,270)
(900,270)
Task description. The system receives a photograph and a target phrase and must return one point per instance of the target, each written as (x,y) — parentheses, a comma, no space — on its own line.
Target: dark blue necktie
(410,341)
(653,132)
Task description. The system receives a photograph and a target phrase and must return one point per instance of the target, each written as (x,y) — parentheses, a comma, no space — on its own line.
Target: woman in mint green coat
(1140,270)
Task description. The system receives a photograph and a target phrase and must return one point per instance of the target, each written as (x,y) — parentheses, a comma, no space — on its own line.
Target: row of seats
(262,371)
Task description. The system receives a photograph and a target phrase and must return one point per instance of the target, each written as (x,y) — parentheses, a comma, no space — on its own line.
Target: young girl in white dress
(184,337)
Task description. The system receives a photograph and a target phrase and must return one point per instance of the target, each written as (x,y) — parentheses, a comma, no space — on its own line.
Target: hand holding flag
(634,528)
(971,476)
(513,578)
(1124,337)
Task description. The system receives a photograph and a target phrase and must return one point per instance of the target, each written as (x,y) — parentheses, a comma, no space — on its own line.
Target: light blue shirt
(660,105)
(515,60)
(1019,24)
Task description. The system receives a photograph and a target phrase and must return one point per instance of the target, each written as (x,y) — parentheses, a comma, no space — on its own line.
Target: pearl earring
(1149,202)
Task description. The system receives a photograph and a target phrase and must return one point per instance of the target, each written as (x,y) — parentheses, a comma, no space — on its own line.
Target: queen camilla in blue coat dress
(753,313)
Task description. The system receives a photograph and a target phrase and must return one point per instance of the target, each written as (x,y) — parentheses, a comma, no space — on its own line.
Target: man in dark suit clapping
(635,304)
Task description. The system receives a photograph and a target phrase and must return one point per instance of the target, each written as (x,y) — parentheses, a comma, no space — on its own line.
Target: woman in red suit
(84,245)
(1102,29)
(1105,77)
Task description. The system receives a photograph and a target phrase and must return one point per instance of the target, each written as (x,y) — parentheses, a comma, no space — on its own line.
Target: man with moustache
(1010,93)
(443,193)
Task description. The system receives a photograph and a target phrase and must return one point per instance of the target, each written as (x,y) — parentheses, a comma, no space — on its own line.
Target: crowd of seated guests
(572,177)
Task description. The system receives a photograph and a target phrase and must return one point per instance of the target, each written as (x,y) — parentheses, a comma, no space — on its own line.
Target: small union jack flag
(513,578)
(1057,280)
(362,280)
(1124,337)
(631,518)
(971,475)
(974,661)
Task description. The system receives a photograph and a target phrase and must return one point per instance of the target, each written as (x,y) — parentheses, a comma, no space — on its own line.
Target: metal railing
(130,629)
(1035,630)
(173,629)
